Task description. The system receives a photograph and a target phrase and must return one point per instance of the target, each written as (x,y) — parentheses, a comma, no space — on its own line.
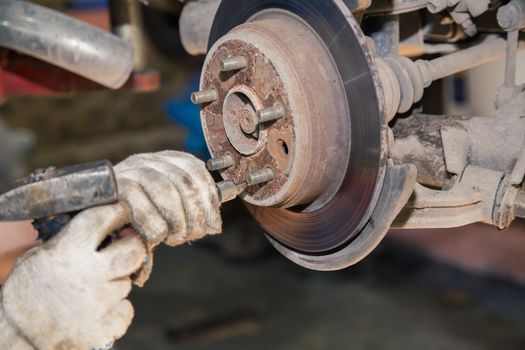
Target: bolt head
(248,121)
(508,17)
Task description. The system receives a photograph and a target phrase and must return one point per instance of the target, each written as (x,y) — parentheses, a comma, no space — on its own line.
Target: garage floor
(197,299)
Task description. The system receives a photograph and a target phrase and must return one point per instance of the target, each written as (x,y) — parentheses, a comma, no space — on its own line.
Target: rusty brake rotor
(291,107)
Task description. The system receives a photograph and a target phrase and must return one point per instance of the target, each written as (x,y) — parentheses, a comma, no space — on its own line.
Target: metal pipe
(65,42)
(404,80)
(126,22)
(392,7)
(490,50)
(512,55)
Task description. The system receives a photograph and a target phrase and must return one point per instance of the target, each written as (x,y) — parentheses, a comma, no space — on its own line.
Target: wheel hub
(311,164)
(287,68)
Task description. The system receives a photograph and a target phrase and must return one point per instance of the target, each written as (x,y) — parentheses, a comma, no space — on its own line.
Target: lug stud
(259,176)
(227,191)
(204,96)
(270,114)
(233,63)
(220,163)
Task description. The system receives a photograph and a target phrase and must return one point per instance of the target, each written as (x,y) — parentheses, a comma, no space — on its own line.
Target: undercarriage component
(512,19)
(392,7)
(463,12)
(512,16)
(397,188)
(471,199)
(126,23)
(275,77)
(307,118)
(411,78)
(302,115)
(463,175)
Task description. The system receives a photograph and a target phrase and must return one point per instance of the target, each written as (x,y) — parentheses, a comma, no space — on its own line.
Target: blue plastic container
(180,110)
(87,4)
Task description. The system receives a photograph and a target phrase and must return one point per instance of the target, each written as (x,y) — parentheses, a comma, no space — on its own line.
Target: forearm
(10,337)
(15,239)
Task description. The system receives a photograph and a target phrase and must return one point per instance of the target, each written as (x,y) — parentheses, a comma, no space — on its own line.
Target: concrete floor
(197,299)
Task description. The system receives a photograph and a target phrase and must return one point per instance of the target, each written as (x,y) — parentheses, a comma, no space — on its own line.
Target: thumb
(124,257)
(92,226)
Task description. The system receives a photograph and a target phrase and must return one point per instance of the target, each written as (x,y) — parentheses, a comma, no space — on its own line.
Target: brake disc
(327,148)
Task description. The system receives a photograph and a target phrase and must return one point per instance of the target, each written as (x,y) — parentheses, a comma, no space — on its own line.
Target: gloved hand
(173,199)
(68,294)
(172,195)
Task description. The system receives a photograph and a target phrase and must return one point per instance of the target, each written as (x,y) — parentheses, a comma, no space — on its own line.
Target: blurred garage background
(437,289)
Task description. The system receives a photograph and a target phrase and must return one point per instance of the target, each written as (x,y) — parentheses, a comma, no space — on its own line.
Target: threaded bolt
(220,163)
(233,63)
(227,191)
(511,17)
(204,96)
(259,176)
(270,114)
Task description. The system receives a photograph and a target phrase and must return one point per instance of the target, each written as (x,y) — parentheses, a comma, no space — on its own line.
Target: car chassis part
(335,166)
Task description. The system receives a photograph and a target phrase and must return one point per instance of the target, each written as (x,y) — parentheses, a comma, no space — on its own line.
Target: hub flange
(288,71)
(336,201)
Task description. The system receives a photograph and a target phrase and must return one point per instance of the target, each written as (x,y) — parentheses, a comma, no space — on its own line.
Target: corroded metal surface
(52,196)
(334,218)
(262,86)
(52,191)
(419,143)
(441,146)
(294,144)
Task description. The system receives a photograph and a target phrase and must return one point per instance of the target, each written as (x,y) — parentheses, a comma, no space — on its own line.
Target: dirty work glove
(70,293)
(173,198)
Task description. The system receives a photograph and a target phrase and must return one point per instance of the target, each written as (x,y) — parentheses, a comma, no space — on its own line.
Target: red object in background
(22,75)
(15,239)
(96,17)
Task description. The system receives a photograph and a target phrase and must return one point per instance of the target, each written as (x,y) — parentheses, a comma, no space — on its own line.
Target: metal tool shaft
(52,191)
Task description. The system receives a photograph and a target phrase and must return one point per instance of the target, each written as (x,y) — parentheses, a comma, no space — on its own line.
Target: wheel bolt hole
(284,147)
